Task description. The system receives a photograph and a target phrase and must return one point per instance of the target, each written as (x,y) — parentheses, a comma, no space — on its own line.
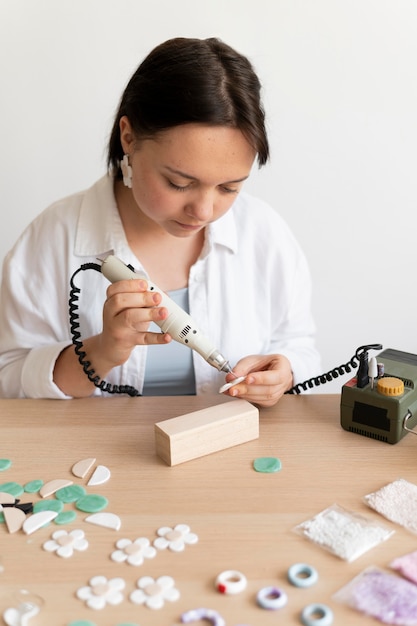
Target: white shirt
(249,292)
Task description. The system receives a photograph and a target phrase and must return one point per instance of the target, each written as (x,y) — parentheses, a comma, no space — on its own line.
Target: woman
(188,130)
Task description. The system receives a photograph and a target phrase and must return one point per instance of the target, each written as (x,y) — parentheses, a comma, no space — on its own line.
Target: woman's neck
(166,258)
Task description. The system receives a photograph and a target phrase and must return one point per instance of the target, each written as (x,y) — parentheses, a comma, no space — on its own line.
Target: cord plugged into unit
(362,375)
(360,358)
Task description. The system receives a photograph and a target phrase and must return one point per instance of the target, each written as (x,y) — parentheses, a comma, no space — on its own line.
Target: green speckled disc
(66,517)
(48,505)
(14,489)
(267,464)
(33,486)
(4,464)
(70,493)
(2,520)
(92,503)
(82,622)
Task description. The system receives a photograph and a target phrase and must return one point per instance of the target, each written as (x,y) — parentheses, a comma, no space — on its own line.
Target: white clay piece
(101,475)
(232,384)
(108,520)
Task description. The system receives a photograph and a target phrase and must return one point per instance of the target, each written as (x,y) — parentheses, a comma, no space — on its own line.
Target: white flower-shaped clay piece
(153,593)
(102,591)
(126,171)
(64,543)
(174,538)
(133,552)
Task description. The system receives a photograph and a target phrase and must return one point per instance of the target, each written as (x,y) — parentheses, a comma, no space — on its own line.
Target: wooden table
(244,519)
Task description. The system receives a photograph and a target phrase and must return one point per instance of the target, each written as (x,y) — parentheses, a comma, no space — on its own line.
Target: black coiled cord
(360,354)
(78,345)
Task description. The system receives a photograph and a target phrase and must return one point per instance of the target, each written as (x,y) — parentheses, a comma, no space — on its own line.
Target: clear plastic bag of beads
(406,565)
(381,595)
(396,501)
(343,533)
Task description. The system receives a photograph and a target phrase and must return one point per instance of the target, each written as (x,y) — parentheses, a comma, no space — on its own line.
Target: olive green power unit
(384,407)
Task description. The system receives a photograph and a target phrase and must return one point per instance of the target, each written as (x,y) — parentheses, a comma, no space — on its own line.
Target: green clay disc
(4,464)
(92,503)
(66,517)
(82,622)
(2,518)
(48,505)
(14,489)
(70,493)
(33,486)
(267,464)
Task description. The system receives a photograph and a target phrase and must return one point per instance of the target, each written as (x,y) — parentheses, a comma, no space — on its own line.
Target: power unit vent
(365,433)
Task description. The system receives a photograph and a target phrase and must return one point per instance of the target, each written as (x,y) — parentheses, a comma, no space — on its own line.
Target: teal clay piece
(4,464)
(92,503)
(66,517)
(72,493)
(82,622)
(2,520)
(33,486)
(267,464)
(48,505)
(14,489)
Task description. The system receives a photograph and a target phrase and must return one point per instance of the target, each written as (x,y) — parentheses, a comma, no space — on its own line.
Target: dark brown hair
(184,81)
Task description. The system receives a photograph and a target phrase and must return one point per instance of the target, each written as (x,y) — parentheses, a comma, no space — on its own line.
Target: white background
(340,91)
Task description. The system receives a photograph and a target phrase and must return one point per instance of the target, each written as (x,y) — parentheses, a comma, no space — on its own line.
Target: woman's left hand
(267,378)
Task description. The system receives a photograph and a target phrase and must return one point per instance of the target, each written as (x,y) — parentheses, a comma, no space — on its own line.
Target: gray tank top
(169,368)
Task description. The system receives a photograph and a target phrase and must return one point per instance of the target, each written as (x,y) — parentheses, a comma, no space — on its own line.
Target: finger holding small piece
(228,386)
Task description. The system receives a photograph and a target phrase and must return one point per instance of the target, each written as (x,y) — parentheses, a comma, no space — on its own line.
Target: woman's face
(188,176)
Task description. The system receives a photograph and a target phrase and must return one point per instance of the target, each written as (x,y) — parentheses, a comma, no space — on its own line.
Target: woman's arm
(127,312)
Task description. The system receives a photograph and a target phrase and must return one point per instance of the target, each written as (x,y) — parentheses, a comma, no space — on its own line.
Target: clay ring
(231,582)
(195,615)
(302,575)
(317,615)
(271,598)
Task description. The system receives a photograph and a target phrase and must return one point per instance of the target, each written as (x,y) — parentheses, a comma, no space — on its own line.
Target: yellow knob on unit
(390,386)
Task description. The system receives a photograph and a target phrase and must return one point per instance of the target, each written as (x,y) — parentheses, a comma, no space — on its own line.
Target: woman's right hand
(127,313)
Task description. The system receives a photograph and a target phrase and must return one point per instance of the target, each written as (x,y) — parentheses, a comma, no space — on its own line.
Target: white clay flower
(175,538)
(102,591)
(126,171)
(64,543)
(153,593)
(133,552)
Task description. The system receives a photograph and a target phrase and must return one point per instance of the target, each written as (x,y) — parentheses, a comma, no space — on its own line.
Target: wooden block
(209,430)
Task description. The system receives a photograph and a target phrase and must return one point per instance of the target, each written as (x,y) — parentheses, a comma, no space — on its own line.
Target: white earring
(126,171)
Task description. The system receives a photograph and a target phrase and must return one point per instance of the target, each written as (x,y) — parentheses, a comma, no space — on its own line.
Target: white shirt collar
(223,231)
(99,226)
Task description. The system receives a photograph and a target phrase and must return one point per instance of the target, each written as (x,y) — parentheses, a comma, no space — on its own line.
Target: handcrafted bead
(302,575)
(271,598)
(195,615)
(317,615)
(231,582)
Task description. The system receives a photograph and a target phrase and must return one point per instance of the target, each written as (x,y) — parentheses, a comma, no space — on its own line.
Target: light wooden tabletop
(244,519)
